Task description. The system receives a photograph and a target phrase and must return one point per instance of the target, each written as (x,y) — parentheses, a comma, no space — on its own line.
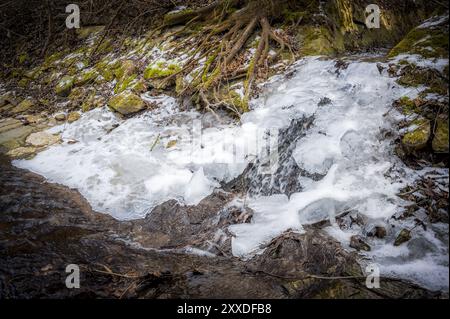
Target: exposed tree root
(224,49)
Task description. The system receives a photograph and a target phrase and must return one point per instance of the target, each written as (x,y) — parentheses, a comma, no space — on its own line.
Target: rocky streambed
(334,163)
(45,227)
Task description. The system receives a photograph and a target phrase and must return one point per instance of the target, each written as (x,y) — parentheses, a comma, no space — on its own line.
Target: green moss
(126,103)
(124,84)
(160,70)
(65,85)
(208,63)
(239,102)
(419,136)
(22,58)
(429,43)
(92,101)
(211,78)
(319,41)
(23,83)
(408,106)
(23,106)
(414,76)
(440,140)
(125,69)
(106,68)
(86,76)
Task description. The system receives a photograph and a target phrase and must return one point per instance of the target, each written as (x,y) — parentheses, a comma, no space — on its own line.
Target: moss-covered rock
(23,106)
(87,76)
(130,83)
(106,67)
(157,72)
(402,237)
(418,136)
(65,85)
(126,103)
(440,140)
(125,69)
(319,41)
(73,116)
(428,42)
(22,152)
(407,105)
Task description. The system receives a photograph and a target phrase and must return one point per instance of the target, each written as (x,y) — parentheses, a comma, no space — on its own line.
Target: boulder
(22,152)
(402,237)
(126,103)
(418,135)
(358,243)
(40,139)
(440,140)
(60,117)
(73,116)
(23,106)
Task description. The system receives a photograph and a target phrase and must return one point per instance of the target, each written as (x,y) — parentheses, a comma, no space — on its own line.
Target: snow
(124,167)
(433,21)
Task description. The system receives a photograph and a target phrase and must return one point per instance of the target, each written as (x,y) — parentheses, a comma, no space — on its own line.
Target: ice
(127,167)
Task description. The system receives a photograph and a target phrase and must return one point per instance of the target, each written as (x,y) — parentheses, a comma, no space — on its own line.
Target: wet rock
(377,231)
(33,119)
(440,140)
(45,227)
(60,117)
(73,116)
(13,133)
(358,243)
(42,139)
(402,237)
(23,106)
(126,103)
(418,136)
(22,152)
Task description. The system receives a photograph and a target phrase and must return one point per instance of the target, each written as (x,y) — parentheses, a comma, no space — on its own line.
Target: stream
(320,141)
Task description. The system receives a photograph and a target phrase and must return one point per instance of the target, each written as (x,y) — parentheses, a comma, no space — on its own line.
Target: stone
(377,231)
(13,136)
(418,135)
(402,237)
(33,119)
(126,103)
(60,117)
(126,69)
(73,116)
(22,152)
(6,99)
(358,243)
(380,232)
(64,86)
(42,139)
(440,140)
(23,106)
(9,124)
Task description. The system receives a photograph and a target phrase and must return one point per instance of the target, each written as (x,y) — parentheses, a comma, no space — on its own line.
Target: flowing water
(334,156)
